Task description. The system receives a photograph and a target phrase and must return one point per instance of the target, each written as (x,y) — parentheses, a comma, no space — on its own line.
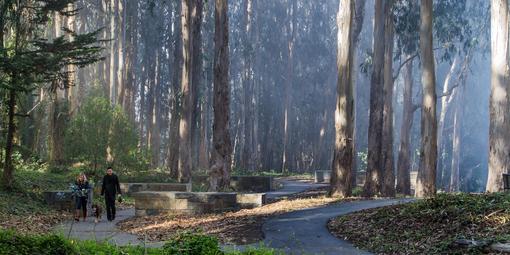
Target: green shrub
(12,243)
(182,244)
(192,244)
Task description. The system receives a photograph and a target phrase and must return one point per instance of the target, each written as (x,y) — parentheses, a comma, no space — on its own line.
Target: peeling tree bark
(184,164)
(173,148)
(445,104)
(426,182)
(219,174)
(404,151)
(387,159)
(341,184)
(374,175)
(499,105)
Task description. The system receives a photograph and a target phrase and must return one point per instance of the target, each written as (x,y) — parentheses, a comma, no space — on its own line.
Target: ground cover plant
(183,244)
(429,226)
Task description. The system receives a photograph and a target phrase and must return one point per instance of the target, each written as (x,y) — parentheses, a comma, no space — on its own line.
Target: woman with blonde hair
(81,190)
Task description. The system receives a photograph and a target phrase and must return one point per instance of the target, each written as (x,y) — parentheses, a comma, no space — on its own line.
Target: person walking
(81,190)
(109,190)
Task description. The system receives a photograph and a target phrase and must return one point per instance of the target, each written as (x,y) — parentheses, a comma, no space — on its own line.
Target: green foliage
(362,157)
(457,26)
(12,243)
(183,244)
(430,225)
(99,128)
(31,179)
(192,244)
(260,250)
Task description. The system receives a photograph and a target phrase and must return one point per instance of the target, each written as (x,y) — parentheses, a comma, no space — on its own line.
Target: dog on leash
(98,212)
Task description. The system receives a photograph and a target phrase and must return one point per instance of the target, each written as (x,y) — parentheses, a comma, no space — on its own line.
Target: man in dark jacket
(109,189)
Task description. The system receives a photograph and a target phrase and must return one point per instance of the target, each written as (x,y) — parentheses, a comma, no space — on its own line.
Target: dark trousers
(110,206)
(81,204)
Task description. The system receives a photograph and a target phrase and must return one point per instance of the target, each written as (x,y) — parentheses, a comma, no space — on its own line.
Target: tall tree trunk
(341,184)
(359,16)
(184,166)
(219,176)
(113,53)
(455,172)
(8,174)
(499,133)
(176,69)
(155,115)
(445,104)
(374,175)
(247,150)
(58,116)
(404,151)
(291,34)
(196,78)
(426,182)
(387,158)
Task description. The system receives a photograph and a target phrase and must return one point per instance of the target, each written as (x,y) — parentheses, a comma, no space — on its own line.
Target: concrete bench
(130,188)
(63,200)
(322,176)
(149,203)
(59,199)
(251,200)
(154,203)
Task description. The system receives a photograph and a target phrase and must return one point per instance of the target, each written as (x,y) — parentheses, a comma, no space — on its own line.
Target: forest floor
(24,209)
(240,227)
(445,224)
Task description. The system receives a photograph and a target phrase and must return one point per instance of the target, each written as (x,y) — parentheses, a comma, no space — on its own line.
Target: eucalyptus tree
(499,133)
(219,176)
(426,182)
(341,184)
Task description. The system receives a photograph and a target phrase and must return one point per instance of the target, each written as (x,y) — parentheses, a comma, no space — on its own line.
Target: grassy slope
(428,226)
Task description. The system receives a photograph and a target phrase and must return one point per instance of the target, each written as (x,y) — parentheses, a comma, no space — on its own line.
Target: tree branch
(409,59)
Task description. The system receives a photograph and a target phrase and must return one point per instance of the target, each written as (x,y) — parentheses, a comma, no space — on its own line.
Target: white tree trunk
(499,131)
(426,182)
(341,184)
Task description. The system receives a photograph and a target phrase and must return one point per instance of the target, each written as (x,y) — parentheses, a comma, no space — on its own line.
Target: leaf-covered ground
(24,209)
(241,227)
(429,226)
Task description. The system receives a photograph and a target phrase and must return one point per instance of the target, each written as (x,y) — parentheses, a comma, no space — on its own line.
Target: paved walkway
(299,232)
(291,187)
(102,231)
(305,231)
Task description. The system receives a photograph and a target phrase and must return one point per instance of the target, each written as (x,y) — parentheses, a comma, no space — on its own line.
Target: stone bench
(63,200)
(154,203)
(322,176)
(59,199)
(242,183)
(251,200)
(130,188)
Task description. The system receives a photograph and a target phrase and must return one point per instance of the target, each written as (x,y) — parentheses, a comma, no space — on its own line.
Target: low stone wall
(251,183)
(154,203)
(322,176)
(251,200)
(243,183)
(59,199)
(130,188)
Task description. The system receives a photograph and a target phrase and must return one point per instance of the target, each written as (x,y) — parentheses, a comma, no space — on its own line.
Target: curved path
(305,231)
(101,231)
(298,232)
